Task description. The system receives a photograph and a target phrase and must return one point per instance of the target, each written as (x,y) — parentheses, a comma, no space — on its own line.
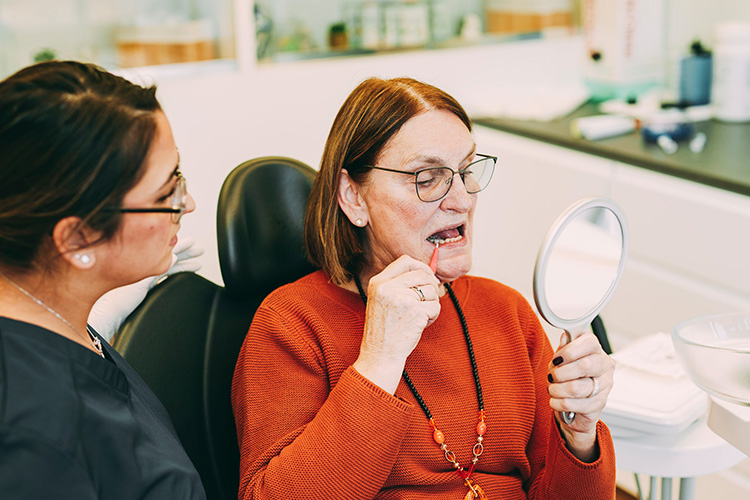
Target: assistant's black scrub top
(74,425)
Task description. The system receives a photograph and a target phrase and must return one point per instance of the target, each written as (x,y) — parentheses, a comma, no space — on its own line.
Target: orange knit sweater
(311,427)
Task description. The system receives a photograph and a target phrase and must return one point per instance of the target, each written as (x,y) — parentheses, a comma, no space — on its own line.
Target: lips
(447,235)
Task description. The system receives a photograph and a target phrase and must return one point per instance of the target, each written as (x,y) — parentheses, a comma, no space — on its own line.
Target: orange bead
(438,436)
(481,428)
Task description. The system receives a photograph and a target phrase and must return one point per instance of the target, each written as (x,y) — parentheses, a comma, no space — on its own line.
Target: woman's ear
(351,201)
(72,238)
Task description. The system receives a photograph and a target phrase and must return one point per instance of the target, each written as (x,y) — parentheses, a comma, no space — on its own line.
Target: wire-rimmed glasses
(433,183)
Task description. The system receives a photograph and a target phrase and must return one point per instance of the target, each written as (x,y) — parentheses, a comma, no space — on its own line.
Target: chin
(167,263)
(452,271)
(162,267)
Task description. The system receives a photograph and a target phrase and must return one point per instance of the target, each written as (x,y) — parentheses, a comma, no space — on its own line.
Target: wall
(691,19)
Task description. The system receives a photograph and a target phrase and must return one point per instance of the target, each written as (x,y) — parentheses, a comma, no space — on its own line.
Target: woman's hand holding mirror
(579,265)
(581,376)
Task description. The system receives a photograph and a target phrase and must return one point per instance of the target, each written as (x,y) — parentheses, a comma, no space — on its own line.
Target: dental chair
(185,337)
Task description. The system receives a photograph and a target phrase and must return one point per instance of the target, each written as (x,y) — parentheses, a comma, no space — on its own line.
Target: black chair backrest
(185,337)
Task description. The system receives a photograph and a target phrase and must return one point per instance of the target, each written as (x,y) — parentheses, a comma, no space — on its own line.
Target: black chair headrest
(260,223)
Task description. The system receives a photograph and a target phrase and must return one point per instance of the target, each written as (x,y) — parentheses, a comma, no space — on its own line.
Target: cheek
(407,212)
(147,233)
(404,218)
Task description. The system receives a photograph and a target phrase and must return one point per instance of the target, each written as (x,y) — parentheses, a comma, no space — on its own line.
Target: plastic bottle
(730,94)
(602,126)
(695,76)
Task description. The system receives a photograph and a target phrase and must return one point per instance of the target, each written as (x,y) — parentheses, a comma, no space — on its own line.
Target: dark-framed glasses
(433,183)
(178,201)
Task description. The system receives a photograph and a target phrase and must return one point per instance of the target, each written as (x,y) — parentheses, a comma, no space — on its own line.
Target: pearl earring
(359,222)
(85,259)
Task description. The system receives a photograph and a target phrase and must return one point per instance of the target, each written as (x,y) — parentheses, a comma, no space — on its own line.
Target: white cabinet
(690,243)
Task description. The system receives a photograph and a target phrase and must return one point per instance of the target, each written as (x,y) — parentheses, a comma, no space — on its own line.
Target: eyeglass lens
(179,199)
(434,183)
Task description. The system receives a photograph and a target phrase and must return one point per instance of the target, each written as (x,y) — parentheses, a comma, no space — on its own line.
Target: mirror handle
(568,416)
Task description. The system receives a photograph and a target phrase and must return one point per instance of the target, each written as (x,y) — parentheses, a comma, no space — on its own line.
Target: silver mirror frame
(576,325)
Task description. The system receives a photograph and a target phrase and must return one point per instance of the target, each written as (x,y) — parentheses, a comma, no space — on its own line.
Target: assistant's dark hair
(368,119)
(73,139)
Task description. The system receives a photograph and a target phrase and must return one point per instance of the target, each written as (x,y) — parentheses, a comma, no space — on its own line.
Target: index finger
(579,347)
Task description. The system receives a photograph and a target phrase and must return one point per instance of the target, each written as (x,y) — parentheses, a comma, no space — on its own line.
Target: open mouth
(447,235)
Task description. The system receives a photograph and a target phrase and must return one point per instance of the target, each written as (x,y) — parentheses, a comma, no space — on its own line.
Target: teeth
(443,242)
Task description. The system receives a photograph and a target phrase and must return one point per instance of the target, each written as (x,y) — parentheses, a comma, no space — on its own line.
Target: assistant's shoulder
(38,382)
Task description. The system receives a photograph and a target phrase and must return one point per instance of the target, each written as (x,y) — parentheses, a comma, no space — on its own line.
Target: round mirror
(580,263)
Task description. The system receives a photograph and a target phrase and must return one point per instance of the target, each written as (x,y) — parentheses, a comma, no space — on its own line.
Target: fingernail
(549,377)
(557,360)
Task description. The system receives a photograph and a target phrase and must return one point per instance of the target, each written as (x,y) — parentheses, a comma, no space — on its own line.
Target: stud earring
(359,222)
(85,259)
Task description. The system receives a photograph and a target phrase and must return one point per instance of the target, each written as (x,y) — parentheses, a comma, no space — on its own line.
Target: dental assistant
(381,377)
(91,199)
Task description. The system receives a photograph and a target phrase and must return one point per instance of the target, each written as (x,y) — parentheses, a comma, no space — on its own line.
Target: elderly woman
(390,373)
(91,197)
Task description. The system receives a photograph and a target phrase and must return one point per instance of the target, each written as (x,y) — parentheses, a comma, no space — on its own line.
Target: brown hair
(73,140)
(372,114)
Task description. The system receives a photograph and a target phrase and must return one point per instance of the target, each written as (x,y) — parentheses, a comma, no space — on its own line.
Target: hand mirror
(579,265)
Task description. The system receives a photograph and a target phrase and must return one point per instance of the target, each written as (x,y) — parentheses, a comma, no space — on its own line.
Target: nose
(458,198)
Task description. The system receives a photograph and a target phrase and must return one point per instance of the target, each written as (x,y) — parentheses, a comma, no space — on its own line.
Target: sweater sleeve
(556,474)
(299,437)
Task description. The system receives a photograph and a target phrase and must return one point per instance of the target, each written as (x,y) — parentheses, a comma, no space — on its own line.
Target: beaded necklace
(475,491)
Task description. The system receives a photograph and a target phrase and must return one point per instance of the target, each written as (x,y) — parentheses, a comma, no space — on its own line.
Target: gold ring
(419,293)
(595,389)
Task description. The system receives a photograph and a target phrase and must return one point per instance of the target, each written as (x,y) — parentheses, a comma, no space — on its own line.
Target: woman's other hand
(402,301)
(580,377)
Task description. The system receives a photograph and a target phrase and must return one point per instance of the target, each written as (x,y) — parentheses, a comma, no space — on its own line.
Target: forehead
(160,162)
(434,133)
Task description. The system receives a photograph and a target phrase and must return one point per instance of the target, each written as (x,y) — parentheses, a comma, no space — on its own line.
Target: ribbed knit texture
(311,427)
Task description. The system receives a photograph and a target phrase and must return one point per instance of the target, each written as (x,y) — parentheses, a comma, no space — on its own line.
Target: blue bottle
(695,76)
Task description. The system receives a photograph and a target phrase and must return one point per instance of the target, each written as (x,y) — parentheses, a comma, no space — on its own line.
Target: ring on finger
(595,388)
(420,293)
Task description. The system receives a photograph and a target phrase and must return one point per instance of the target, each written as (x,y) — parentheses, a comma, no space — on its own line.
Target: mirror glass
(580,263)
(583,263)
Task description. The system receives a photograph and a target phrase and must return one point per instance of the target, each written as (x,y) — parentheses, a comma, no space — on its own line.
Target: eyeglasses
(433,183)
(178,201)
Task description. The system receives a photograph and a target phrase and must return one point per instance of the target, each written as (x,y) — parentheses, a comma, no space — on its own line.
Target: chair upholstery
(185,337)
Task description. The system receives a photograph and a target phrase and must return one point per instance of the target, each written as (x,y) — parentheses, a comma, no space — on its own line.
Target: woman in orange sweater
(390,373)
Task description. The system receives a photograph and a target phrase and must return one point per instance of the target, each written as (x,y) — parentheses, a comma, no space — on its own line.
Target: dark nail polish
(549,377)
(557,360)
